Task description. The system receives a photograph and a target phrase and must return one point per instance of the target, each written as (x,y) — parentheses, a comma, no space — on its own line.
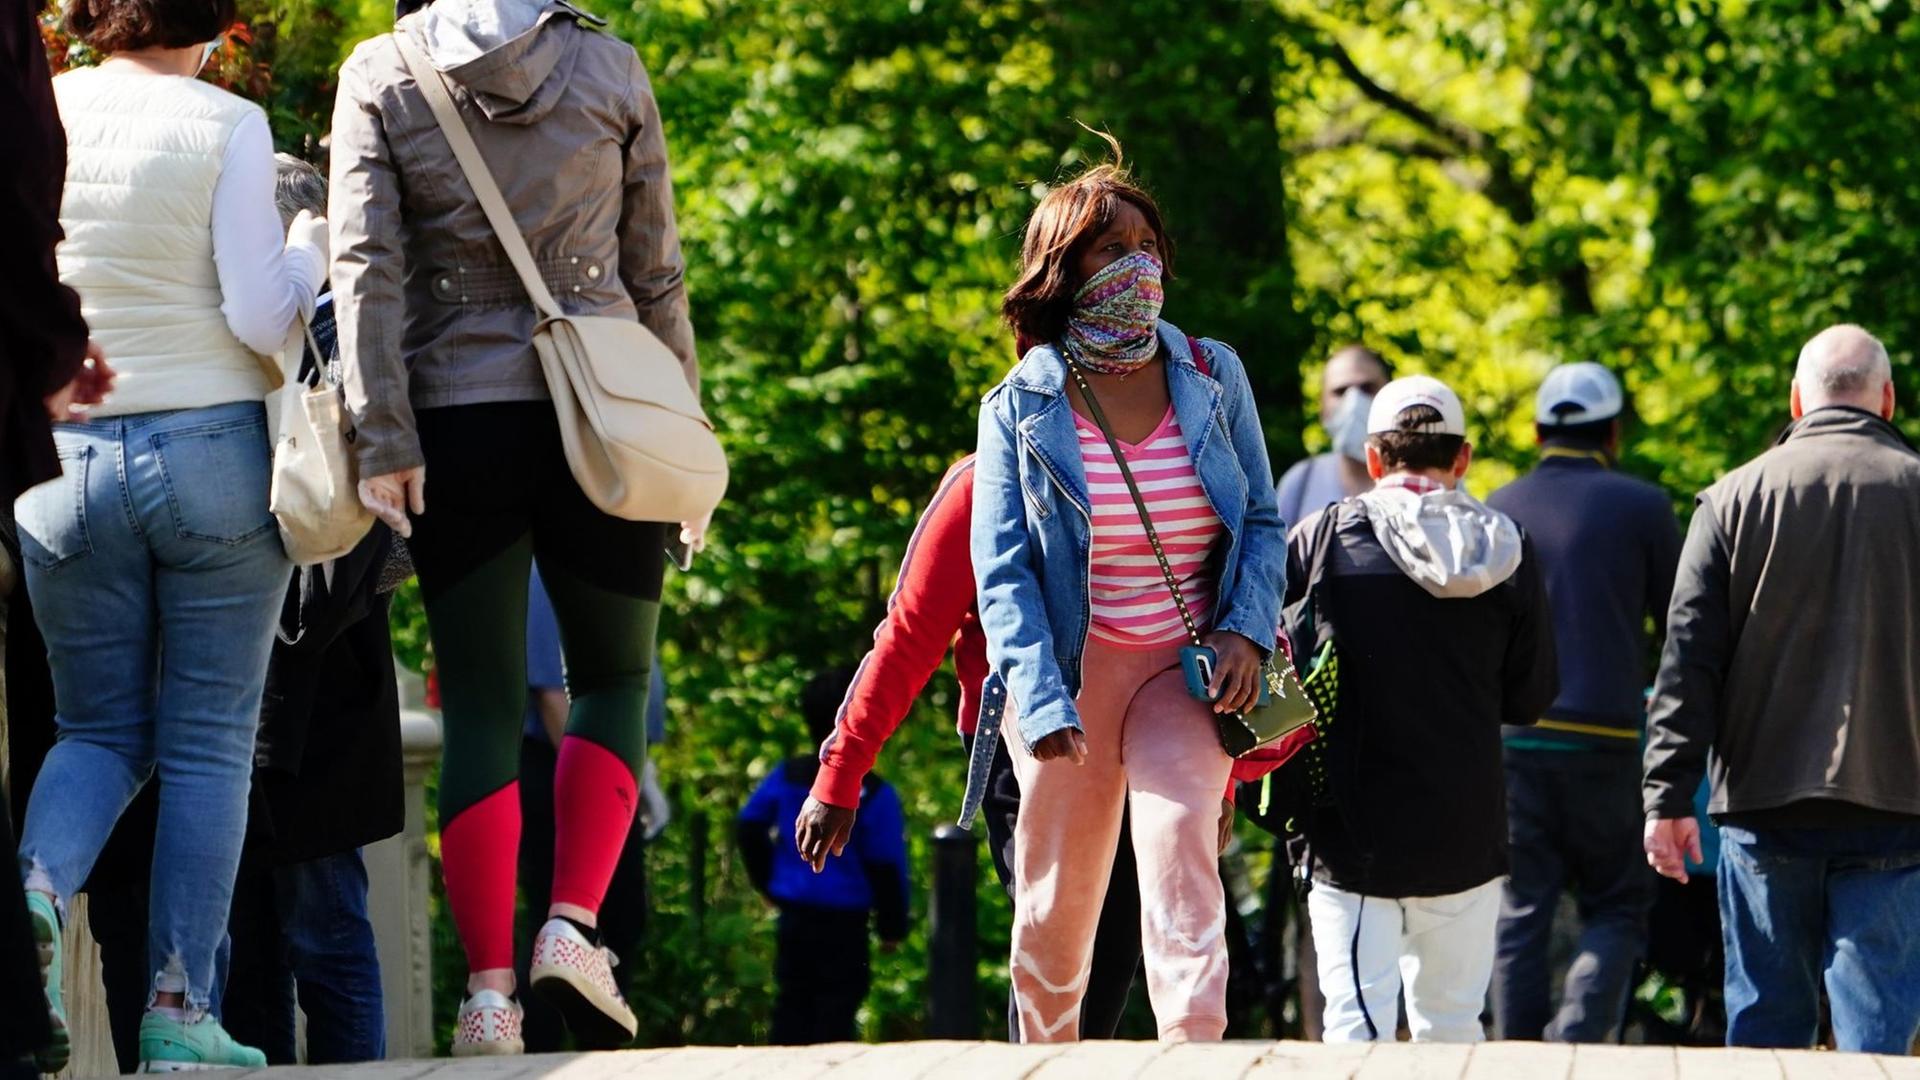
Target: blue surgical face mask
(1348,424)
(206,56)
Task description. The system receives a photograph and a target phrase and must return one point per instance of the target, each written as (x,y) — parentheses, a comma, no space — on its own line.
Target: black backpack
(1285,800)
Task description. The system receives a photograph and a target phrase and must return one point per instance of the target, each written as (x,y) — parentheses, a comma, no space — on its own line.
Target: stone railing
(398,871)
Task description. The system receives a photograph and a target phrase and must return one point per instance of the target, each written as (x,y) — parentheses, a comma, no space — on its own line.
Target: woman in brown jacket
(435,335)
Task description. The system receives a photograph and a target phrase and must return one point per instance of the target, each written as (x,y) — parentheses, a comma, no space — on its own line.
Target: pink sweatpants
(1153,747)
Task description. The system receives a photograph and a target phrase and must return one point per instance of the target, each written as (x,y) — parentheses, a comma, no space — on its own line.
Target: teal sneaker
(168,1045)
(46,937)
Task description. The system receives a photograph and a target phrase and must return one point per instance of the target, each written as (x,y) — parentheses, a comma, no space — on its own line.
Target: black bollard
(697,842)
(953,940)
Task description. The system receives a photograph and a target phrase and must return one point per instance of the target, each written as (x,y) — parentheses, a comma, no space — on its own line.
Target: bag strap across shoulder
(433,87)
(1139,501)
(1200,356)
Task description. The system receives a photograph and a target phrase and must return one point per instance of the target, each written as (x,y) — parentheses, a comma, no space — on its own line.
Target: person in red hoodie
(932,610)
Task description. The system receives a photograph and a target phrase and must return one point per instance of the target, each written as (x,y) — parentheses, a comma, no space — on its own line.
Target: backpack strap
(1199,356)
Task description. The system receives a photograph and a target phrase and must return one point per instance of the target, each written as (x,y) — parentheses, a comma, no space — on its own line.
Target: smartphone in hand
(679,551)
(1196,663)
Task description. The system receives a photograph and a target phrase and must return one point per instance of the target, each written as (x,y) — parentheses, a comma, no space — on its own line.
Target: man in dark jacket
(1793,654)
(1607,545)
(44,371)
(1436,608)
(327,779)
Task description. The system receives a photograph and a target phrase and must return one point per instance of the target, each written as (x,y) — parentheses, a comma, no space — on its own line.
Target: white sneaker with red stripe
(489,1024)
(577,977)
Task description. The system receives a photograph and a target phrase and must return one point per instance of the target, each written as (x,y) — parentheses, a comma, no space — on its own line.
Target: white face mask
(1348,424)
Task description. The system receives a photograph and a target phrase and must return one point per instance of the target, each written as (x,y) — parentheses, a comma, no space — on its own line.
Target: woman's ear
(1375,467)
(1462,459)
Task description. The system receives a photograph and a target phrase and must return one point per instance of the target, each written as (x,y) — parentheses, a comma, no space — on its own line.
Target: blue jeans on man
(1803,907)
(1574,823)
(300,930)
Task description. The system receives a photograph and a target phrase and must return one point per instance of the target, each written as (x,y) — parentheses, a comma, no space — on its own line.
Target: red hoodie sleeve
(933,594)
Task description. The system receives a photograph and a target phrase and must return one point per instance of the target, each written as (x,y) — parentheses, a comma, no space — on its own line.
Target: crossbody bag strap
(433,87)
(1139,502)
(1323,540)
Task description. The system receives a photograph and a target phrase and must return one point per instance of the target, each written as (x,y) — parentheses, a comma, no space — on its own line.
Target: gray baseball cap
(1582,393)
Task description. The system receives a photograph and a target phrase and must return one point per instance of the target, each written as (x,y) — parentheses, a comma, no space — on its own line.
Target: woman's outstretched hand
(1236,672)
(1066,743)
(821,830)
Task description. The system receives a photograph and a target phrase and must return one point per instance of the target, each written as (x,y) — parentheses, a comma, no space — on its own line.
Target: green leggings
(500,496)
(479,628)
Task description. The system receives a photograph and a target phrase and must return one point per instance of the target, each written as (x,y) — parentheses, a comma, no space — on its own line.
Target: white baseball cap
(1578,394)
(1402,394)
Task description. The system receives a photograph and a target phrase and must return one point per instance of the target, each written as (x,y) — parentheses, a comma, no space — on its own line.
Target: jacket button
(576,288)
(593,272)
(575,260)
(445,284)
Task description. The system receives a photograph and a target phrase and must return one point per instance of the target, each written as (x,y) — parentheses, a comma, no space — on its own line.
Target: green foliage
(1682,189)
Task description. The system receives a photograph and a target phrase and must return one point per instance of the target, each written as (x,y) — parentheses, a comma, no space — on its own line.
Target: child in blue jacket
(824,965)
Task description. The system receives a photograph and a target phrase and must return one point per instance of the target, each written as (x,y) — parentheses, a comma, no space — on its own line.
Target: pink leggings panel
(1151,747)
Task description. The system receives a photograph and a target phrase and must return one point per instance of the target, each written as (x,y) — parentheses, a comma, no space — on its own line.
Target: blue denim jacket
(1032,527)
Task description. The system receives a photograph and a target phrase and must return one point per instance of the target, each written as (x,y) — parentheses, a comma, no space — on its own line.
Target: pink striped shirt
(1131,604)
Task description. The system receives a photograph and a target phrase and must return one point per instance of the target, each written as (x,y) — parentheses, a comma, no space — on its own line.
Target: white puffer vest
(143,157)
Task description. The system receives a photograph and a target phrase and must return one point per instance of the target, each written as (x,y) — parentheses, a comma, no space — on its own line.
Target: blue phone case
(1191,659)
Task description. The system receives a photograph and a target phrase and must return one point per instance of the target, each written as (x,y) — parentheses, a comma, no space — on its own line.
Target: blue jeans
(301,930)
(157,575)
(1574,821)
(1803,906)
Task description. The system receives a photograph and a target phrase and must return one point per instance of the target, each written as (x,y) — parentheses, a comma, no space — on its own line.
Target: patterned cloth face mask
(1113,328)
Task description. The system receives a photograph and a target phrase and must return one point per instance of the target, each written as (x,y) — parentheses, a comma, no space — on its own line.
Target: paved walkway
(1149,1061)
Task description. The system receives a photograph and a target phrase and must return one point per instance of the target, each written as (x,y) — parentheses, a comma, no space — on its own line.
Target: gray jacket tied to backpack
(1793,639)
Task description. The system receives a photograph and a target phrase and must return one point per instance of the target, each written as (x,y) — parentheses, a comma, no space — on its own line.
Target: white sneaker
(577,977)
(489,1024)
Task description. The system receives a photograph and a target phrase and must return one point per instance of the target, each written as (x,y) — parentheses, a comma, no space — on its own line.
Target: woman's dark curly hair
(111,26)
(1071,216)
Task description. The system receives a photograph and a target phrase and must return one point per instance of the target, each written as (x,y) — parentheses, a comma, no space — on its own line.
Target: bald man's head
(1843,365)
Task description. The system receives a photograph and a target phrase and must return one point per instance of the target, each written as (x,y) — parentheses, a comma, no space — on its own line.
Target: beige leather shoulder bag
(635,436)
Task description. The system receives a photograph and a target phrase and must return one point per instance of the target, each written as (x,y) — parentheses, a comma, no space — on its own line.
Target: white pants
(1441,946)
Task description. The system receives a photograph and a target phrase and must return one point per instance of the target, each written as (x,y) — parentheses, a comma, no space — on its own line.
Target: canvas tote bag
(635,436)
(314,495)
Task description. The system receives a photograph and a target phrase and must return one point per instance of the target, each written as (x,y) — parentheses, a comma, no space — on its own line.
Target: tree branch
(1340,138)
(1467,138)
(1504,186)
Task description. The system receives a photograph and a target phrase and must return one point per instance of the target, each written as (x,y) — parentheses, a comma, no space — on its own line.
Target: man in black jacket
(1607,544)
(327,780)
(1793,654)
(1436,607)
(47,366)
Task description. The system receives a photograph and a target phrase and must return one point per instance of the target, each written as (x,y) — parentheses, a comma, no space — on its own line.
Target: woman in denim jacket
(1080,622)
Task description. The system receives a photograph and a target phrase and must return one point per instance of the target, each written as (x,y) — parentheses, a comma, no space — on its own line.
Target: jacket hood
(1450,543)
(512,57)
